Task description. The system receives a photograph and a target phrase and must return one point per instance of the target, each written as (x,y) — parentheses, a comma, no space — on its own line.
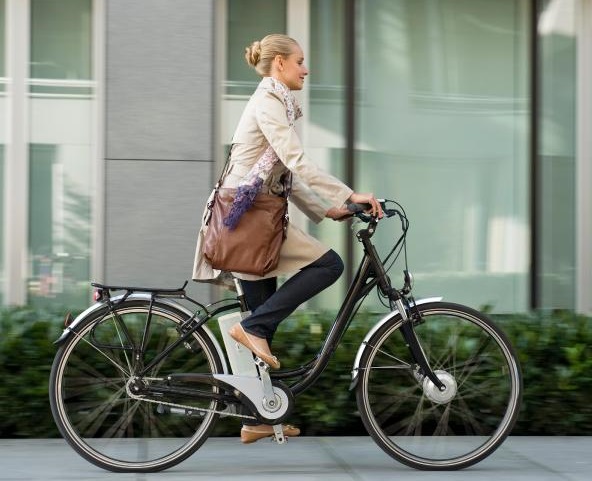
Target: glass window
(324,121)
(249,21)
(442,122)
(2,44)
(557,157)
(245,24)
(60,151)
(3,108)
(326,58)
(60,40)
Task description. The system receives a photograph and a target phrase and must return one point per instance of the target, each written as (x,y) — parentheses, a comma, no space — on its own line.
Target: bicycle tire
(410,419)
(88,397)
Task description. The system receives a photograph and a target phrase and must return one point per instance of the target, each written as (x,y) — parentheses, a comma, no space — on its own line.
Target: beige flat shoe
(250,434)
(256,345)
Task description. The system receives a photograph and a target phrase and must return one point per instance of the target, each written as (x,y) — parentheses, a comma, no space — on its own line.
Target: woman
(265,149)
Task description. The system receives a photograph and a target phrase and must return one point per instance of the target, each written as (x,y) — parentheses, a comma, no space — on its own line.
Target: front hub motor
(434,394)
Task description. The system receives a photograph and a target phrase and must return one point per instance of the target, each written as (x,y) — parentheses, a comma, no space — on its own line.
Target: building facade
(475,115)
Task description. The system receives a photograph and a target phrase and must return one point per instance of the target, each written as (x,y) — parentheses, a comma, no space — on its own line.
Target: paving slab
(307,458)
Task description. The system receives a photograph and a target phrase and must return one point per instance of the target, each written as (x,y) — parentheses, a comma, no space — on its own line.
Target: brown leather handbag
(253,246)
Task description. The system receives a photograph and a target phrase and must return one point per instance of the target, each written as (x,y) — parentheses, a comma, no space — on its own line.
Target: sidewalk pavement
(307,458)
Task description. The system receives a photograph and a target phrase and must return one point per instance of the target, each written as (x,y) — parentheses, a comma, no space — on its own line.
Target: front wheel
(93,374)
(416,423)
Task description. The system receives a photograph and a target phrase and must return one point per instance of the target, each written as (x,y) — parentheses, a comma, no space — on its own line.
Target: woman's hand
(359,198)
(338,213)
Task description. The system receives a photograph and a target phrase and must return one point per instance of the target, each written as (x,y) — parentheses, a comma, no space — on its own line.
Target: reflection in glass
(60,152)
(60,39)
(324,121)
(249,21)
(442,127)
(2,44)
(557,153)
(3,109)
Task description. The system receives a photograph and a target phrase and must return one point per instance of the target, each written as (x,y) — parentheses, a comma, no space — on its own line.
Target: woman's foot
(256,345)
(250,434)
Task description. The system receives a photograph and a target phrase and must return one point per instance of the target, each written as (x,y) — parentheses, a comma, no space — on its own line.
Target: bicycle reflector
(98,295)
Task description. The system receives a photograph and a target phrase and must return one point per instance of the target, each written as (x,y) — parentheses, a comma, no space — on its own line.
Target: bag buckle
(286,222)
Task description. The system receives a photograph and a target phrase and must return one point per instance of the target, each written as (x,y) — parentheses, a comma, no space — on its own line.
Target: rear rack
(159,291)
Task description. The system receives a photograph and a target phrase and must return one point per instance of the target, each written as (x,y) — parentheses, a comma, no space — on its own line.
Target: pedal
(261,364)
(270,402)
(278,434)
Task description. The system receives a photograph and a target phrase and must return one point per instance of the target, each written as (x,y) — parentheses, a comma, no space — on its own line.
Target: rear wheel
(421,426)
(91,381)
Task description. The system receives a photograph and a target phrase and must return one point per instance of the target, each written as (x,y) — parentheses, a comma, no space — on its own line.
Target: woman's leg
(257,292)
(304,285)
(269,307)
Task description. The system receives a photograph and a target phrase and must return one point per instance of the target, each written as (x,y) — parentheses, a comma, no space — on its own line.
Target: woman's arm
(308,201)
(272,120)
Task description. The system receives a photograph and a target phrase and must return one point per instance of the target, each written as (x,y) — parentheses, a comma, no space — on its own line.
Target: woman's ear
(279,62)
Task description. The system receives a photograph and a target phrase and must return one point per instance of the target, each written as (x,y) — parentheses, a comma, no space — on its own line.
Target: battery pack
(240,358)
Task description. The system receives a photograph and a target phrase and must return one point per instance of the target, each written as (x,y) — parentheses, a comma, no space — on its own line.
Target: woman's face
(291,70)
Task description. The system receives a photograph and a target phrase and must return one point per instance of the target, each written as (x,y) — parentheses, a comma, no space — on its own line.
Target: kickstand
(279,434)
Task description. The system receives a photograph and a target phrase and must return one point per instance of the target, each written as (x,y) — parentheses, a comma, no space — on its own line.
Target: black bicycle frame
(370,273)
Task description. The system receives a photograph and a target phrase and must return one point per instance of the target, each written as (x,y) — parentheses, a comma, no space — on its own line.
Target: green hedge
(554,350)
(26,352)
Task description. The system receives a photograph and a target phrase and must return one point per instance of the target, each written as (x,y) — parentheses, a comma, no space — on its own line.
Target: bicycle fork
(412,342)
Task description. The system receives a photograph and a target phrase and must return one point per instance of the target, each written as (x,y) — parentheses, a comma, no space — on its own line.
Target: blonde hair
(260,53)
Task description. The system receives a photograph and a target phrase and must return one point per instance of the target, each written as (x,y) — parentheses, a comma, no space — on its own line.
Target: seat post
(240,294)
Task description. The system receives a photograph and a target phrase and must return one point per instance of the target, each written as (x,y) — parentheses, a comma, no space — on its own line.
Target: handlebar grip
(359,211)
(358,208)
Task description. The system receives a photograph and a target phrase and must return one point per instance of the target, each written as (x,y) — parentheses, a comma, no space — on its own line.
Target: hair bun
(253,53)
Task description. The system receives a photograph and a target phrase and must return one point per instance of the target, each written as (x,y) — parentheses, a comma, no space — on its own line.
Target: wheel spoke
(89,389)
(418,424)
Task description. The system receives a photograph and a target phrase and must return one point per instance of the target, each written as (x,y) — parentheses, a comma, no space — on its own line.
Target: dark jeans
(270,306)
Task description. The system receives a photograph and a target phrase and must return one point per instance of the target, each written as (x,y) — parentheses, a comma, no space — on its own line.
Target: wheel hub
(136,386)
(436,395)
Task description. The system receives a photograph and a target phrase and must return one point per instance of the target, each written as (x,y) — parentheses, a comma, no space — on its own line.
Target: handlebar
(390,208)
(360,210)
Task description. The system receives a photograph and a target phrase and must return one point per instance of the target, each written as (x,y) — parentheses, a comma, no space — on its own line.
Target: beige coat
(264,122)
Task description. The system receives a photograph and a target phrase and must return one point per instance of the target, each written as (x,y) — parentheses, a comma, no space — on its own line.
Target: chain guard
(136,387)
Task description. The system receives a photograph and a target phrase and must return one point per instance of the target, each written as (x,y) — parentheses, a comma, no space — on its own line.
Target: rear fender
(68,331)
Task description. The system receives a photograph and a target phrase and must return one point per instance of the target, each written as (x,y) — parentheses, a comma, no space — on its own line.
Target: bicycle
(139,380)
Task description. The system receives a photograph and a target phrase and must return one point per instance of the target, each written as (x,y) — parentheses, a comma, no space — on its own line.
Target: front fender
(375,328)
(144,297)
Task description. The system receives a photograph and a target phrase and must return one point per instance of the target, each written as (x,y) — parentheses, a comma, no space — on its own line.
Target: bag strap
(225,169)
(210,204)
(287,180)
(288,184)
